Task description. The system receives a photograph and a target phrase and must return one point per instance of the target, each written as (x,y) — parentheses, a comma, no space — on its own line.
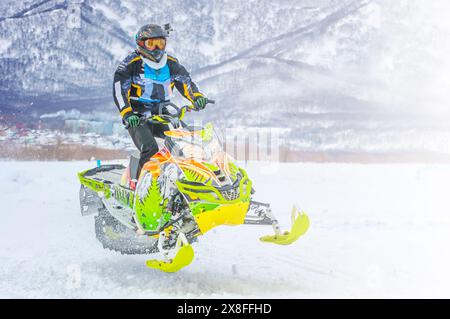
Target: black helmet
(156,51)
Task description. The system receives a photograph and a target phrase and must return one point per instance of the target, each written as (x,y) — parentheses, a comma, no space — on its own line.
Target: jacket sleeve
(183,81)
(121,87)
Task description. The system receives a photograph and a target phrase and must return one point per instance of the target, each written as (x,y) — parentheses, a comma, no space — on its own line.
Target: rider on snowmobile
(143,80)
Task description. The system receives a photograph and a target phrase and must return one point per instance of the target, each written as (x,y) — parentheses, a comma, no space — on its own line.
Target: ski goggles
(155,43)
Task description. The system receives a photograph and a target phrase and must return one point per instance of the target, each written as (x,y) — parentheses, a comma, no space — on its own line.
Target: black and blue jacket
(138,84)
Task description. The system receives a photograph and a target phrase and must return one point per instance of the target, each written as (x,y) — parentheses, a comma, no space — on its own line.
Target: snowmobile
(189,187)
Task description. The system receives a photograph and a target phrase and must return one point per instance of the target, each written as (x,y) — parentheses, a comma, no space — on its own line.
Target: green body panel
(96,186)
(207,132)
(192,176)
(211,166)
(150,210)
(211,195)
(199,207)
(124,195)
(234,169)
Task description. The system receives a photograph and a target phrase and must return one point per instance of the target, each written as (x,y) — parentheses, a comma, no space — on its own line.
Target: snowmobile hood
(238,191)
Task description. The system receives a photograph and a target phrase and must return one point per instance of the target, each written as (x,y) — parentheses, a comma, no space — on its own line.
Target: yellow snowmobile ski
(183,256)
(300,225)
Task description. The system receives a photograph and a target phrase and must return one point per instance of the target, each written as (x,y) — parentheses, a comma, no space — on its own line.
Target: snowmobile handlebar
(164,116)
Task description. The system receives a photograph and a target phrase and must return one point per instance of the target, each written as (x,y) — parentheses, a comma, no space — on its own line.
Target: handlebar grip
(143,119)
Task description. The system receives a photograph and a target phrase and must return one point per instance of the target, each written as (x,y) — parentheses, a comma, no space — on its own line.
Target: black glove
(132,120)
(200,103)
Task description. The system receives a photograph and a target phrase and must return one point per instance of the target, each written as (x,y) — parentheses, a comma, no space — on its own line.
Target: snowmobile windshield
(200,144)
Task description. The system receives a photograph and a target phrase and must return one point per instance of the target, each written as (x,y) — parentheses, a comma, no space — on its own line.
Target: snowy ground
(377,231)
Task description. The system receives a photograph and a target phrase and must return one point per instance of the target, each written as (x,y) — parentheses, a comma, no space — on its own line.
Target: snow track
(376,231)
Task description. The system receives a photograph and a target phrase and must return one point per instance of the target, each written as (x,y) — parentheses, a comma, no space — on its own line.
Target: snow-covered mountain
(71,48)
(354,74)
